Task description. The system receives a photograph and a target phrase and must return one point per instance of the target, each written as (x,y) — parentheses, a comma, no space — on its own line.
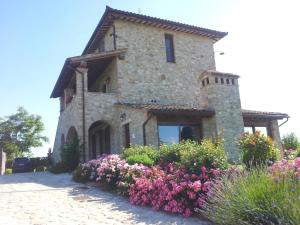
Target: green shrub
(208,154)
(39,163)
(143,159)
(58,168)
(8,171)
(70,154)
(290,141)
(79,175)
(254,199)
(8,163)
(169,153)
(257,149)
(151,152)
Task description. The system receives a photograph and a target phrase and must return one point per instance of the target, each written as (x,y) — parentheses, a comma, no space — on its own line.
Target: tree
(20,132)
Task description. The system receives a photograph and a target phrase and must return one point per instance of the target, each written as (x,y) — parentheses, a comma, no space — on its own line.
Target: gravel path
(44,198)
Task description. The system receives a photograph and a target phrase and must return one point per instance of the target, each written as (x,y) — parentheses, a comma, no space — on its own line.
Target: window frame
(170,58)
(179,127)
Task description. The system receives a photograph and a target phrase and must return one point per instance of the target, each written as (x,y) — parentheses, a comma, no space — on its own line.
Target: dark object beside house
(21,165)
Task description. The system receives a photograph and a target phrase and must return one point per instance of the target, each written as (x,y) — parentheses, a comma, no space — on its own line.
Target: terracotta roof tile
(263,114)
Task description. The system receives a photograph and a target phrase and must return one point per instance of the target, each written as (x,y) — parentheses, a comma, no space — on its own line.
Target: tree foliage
(20,132)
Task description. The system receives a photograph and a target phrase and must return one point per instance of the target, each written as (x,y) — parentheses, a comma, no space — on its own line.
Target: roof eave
(213,34)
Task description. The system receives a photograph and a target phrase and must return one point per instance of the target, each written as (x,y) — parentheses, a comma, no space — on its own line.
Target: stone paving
(44,198)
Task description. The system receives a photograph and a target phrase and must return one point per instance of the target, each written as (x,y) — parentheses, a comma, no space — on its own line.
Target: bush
(88,171)
(257,149)
(169,153)
(258,198)
(151,152)
(140,159)
(290,141)
(39,163)
(8,163)
(117,173)
(172,190)
(79,174)
(8,171)
(70,154)
(208,154)
(58,168)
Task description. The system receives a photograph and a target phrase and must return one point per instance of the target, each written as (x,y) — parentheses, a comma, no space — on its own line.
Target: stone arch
(72,134)
(99,138)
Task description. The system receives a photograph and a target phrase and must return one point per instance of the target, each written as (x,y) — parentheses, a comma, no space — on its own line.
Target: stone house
(144,80)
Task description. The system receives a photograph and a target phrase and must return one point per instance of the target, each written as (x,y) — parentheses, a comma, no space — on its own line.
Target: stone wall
(145,75)
(110,74)
(222,94)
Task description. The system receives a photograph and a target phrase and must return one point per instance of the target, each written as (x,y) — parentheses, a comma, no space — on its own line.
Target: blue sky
(262,47)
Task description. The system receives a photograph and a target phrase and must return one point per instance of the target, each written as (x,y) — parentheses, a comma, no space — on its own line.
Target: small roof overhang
(102,59)
(170,109)
(261,115)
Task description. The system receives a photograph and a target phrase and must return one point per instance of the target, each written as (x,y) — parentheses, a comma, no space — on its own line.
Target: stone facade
(143,76)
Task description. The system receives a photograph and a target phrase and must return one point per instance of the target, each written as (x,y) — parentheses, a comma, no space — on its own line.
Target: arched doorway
(99,139)
(72,135)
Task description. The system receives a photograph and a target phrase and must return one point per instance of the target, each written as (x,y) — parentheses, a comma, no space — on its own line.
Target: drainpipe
(144,127)
(83,106)
(287,119)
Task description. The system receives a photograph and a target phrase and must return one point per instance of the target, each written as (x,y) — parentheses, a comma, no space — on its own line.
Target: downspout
(287,119)
(144,127)
(83,109)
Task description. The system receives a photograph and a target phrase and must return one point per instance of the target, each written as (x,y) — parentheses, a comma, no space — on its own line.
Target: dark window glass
(172,134)
(169,48)
(203,83)
(127,135)
(216,80)
(232,81)
(227,81)
(207,81)
(222,80)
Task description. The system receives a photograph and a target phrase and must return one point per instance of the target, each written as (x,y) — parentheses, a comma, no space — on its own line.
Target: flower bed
(170,188)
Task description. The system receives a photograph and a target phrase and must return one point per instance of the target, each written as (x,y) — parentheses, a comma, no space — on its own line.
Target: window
(169,48)
(263,130)
(248,130)
(172,134)
(126,136)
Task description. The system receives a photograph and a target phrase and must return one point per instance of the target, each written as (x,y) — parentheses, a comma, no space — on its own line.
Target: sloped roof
(111,14)
(71,62)
(263,115)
